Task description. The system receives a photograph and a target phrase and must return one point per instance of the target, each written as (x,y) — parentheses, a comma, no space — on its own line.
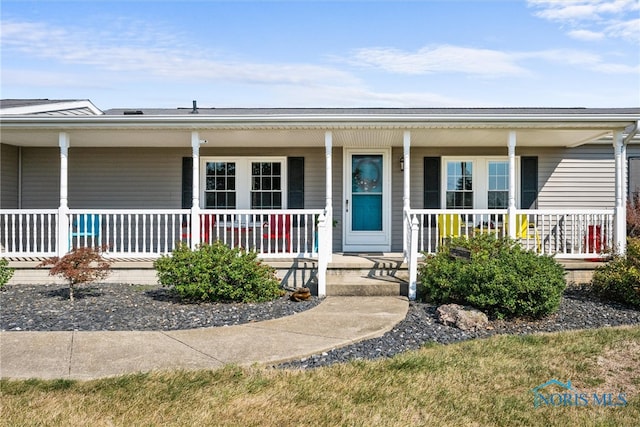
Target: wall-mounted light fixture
(402,163)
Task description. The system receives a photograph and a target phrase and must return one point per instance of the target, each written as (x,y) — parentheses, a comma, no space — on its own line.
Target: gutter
(319,120)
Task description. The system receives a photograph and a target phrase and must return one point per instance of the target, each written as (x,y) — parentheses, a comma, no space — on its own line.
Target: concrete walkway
(336,322)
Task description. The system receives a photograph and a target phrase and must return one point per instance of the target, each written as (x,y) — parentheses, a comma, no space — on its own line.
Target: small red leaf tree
(81,265)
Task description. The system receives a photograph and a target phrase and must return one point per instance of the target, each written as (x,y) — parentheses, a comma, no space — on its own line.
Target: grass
(475,383)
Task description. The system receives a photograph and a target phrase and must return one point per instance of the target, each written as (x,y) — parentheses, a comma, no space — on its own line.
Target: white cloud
(586,18)
(439,59)
(628,30)
(565,10)
(586,35)
(479,62)
(151,56)
(52,79)
(582,60)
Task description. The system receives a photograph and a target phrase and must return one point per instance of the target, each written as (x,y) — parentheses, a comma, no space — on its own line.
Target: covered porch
(322,223)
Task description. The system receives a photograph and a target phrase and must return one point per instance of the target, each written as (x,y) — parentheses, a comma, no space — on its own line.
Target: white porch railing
(127,233)
(150,233)
(28,233)
(273,233)
(561,233)
(582,234)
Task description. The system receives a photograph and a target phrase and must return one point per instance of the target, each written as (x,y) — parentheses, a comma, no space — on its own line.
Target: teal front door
(366,207)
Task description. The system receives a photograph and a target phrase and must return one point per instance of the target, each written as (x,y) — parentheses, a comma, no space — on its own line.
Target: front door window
(366,190)
(367,205)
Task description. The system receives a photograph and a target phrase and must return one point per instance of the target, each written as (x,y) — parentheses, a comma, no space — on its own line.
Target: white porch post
(406,194)
(328,147)
(63,208)
(325,221)
(511,209)
(195,197)
(323,251)
(624,174)
(412,258)
(620,226)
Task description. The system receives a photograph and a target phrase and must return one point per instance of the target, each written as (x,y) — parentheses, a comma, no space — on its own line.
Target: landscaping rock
(464,318)
(122,307)
(301,294)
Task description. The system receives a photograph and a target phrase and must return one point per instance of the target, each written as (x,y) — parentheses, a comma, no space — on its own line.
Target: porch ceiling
(306,137)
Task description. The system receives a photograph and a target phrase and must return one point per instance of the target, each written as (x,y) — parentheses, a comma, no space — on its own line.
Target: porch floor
(340,260)
(345,268)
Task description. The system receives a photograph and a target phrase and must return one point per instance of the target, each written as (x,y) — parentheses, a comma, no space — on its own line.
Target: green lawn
(477,383)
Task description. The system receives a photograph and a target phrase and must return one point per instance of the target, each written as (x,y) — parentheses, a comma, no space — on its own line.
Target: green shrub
(5,272)
(619,279)
(218,273)
(501,278)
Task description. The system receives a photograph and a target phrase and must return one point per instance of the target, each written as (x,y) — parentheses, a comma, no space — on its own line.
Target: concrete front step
(371,288)
(367,279)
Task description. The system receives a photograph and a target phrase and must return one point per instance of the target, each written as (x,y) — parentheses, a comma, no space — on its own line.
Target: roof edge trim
(51,107)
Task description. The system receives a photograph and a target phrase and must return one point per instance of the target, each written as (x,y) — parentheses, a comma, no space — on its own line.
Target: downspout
(620,212)
(20,177)
(632,133)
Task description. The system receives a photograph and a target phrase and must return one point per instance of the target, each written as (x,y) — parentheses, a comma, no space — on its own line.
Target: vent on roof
(132,112)
(195,107)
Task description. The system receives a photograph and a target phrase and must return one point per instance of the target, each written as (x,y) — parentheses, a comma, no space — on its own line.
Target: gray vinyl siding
(397,199)
(40,178)
(9,159)
(150,178)
(138,178)
(582,177)
(417,164)
(132,178)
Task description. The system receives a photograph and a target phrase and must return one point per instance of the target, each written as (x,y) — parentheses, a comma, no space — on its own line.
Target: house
(305,183)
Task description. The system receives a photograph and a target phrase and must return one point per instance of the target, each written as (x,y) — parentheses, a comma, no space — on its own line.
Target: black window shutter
(431,199)
(295,182)
(187,182)
(528,182)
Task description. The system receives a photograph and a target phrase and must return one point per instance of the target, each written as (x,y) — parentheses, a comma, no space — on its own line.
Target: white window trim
(480,176)
(243,178)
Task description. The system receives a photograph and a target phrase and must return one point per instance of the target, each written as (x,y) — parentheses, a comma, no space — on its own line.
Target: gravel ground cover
(121,307)
(579,309)
(131,307)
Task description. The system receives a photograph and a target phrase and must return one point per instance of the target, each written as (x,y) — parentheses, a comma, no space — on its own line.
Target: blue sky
(535,53)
